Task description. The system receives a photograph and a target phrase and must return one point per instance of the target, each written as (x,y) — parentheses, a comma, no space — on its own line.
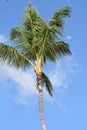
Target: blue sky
(67,110)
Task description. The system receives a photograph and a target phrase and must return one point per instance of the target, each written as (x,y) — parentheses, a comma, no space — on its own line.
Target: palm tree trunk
(40,101)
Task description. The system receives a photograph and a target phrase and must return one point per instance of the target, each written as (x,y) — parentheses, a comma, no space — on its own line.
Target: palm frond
(22,39)
(47,84)
(11,56)
(64,12)
(29,36)
(31,13)
(61,49)
(57,21)
(16,33)
(49,53)
(30,19)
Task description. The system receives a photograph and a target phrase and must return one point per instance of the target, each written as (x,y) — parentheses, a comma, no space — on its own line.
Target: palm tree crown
(36,42)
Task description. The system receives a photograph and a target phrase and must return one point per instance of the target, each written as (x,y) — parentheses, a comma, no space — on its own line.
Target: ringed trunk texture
(40,100)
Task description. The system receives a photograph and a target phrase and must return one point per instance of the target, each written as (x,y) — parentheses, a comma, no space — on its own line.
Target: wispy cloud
(25,81)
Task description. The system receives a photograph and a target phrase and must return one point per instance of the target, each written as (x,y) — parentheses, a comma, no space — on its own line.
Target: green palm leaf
(47,83)
(16,33)
(21,38)
(57,21)
(61,49)
(11,56)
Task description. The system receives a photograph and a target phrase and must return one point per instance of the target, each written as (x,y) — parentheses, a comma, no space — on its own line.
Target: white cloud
(3,38)
(25,81)
(69,37)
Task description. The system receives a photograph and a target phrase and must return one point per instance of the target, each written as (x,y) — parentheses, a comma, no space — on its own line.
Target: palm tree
(35,43)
